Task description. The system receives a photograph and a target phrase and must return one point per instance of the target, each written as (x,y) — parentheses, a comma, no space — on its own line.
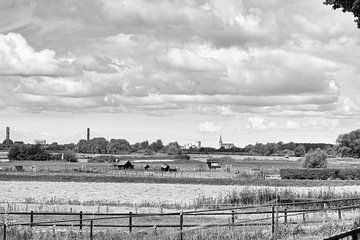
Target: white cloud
(270,58)
(18,58)
(209,127)
(257,123)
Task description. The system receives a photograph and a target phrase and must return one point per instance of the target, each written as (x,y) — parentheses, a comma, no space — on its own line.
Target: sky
(250,70)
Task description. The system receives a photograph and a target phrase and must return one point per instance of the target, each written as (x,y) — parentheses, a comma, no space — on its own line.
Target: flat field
(101,188)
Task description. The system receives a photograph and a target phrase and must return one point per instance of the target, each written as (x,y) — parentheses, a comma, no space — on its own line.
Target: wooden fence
(350,235)
(279,212)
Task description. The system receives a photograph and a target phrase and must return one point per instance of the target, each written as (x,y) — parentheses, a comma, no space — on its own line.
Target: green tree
(117,146)
(316,159)
(157,146)
(347,6)
(28,152)
(272,148)
(98,145)
(299,151)
(70,156)
(17,152)
(173,148)
(83,146)
(349,144)
(249,148)
(140,146)
(260,149)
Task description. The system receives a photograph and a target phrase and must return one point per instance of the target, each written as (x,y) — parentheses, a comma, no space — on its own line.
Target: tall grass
(255,196)
(218,233)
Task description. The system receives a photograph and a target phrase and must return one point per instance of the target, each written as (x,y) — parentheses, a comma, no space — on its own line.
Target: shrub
(303,173)
(70,156)
(316,159)
(28,152)
(103,158)
(349,173)
(321,173)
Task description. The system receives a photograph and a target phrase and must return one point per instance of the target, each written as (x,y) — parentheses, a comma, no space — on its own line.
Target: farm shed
(167,168)
(125,164)
(19,168)
(213,164)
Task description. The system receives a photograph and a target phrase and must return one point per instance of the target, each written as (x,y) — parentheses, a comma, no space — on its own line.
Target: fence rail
(354,234)
(277,211)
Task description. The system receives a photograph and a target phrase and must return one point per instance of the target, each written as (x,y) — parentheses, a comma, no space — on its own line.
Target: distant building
(40,141)
(125,164)
(225,145)
(213,163)
(196,145)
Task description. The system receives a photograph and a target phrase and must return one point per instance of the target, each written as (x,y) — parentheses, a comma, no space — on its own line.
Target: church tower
(220,142)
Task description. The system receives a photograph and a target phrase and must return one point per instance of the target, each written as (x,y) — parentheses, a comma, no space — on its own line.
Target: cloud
(18,58)
(256,123)
(187,60)
(209,127)
(263,58)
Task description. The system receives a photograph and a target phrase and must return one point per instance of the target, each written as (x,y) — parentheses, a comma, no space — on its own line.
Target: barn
(165,167)
(213,164)
(125,164)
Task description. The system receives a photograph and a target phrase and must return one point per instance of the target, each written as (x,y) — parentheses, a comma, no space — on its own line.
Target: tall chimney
(88,134)
(7,140)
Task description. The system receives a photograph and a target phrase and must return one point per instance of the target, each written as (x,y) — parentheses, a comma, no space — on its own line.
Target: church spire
(220,142)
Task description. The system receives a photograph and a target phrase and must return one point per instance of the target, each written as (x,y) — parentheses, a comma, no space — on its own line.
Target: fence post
(304,217)
(233,218)
(31,218)
(81,218)
(339,214)
(130,222)
(273,219)
(91,229)
(4,232)
(181,225)
(277,217)
(354,236)
(285,215)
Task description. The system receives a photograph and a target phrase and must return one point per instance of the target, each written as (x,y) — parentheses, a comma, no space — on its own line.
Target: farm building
(167,168)
(213,164)
(125,164)
(19,168)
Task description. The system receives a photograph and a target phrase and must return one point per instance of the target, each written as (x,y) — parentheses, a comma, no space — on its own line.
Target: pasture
(100,188)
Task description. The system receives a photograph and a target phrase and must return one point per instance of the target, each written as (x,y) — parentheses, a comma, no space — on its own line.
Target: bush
(70,156)
(102,159)
(316,159)
(28,152)
(349,173)
(321,173)
(303,173)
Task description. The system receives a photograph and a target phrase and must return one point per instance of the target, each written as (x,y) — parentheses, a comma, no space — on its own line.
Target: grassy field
(301,231)
(244,172)
(194,164)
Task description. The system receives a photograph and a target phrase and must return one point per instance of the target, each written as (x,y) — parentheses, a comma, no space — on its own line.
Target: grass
(257,196)
(170,178)
(300,232)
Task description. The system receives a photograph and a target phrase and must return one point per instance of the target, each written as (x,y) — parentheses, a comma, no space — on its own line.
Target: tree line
(347,145)
(67,152)
(122,146)
(273,149)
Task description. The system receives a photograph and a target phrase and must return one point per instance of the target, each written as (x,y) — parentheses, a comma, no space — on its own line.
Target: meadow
(101,188)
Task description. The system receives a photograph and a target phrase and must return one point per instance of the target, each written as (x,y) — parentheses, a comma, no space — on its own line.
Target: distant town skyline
(186,71)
